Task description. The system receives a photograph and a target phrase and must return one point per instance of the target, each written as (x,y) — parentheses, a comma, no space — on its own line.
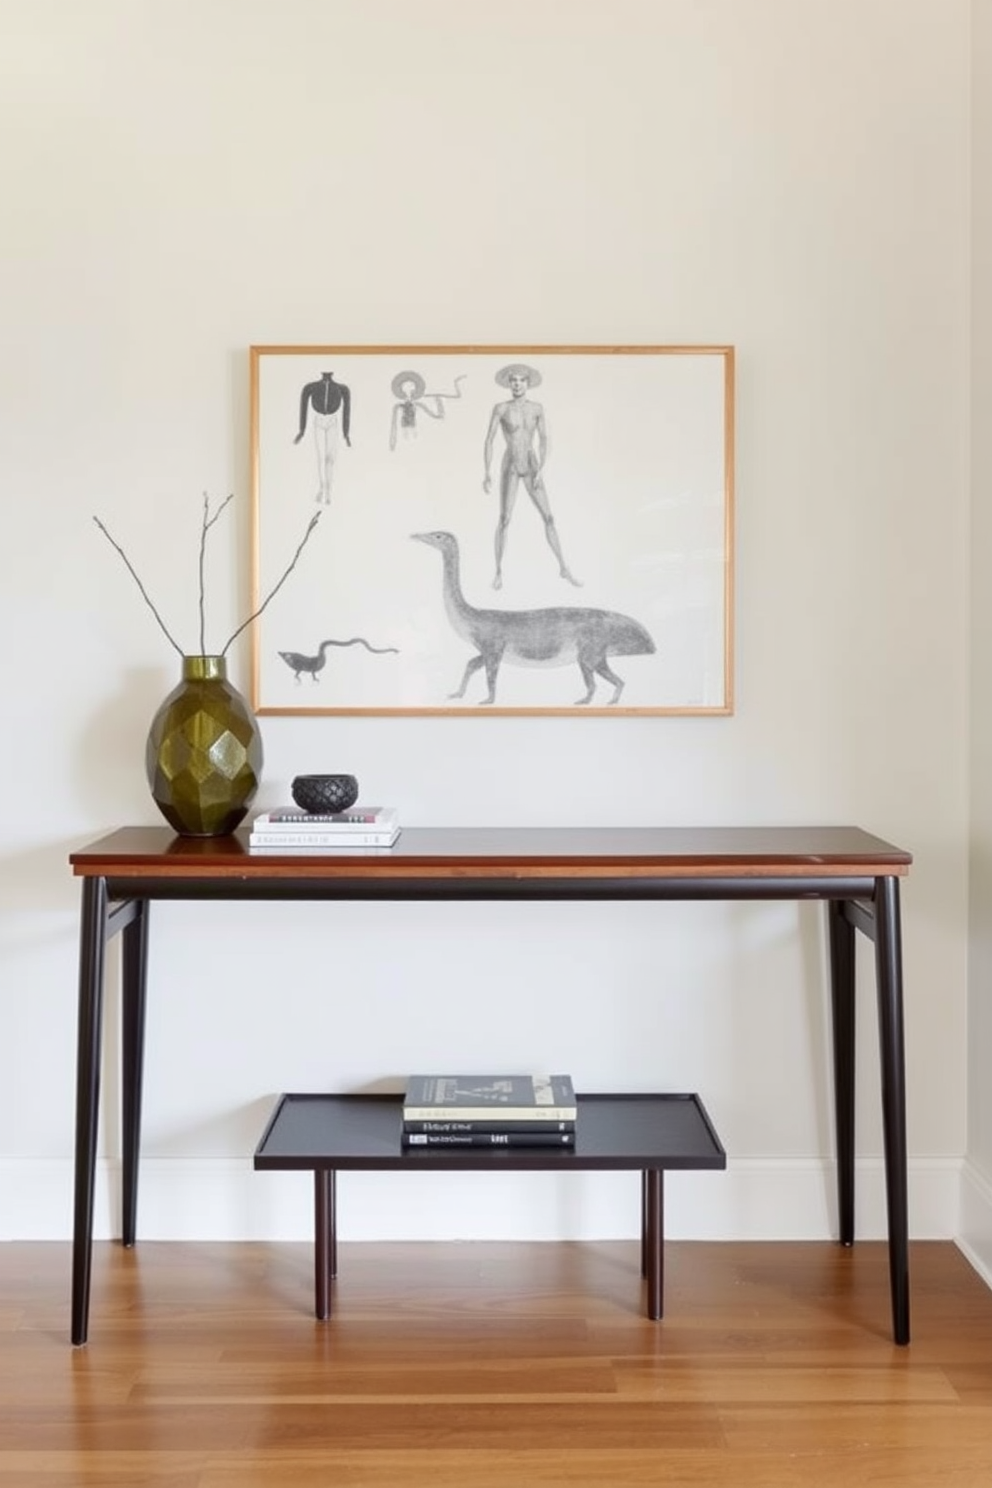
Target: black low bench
(326,1134)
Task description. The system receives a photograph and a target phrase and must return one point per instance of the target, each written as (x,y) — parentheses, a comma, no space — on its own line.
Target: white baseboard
(975,1229)
(225,1199)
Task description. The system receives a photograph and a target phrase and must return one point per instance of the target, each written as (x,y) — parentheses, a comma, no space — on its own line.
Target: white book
(290,819)
(326,840)
(269,851)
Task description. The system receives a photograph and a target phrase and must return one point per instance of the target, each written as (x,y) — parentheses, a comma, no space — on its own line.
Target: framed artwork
(502,529)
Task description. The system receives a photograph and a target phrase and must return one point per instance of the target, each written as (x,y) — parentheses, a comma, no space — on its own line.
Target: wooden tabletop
(510,852)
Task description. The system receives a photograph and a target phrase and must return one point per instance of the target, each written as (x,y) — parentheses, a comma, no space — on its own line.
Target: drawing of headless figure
(327,404)
(521,421)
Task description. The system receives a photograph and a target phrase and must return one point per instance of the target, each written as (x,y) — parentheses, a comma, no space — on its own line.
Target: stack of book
(290,830)
(489,1111)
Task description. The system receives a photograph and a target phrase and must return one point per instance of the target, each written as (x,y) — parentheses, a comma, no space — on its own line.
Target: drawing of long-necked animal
(551,637)
(314,665)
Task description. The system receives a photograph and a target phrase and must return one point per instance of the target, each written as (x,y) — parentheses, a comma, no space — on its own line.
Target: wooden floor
(485,1365)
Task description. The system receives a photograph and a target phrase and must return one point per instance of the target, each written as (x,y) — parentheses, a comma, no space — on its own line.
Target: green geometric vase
(203,758)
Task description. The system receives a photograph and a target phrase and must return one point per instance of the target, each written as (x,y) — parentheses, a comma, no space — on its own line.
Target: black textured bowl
(325,793)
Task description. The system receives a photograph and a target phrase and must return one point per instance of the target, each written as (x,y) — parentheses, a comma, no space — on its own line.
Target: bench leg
(653,1239)
(325,1248)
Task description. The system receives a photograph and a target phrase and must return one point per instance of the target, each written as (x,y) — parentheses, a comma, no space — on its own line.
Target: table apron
(523,888)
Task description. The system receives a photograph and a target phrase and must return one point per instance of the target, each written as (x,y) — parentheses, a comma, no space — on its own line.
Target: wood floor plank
(790,1384)
(424,1381)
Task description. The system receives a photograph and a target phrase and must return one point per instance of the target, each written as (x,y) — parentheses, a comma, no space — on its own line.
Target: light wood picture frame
(579,501)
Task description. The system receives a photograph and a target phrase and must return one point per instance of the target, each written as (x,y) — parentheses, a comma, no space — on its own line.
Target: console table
(856,874)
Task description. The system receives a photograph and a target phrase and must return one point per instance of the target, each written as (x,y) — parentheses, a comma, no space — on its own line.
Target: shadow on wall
(32,884)
(233,1133)
(107,786)
(108,755)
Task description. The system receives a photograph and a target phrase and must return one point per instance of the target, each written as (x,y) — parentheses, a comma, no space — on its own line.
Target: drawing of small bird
(314,665)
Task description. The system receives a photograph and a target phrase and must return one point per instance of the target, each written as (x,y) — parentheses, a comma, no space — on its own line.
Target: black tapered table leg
(325,1245)
(891,1037)
(92,948)
(135,978)
(655,1242)
(332,1226)
(842,985)
(644,1222)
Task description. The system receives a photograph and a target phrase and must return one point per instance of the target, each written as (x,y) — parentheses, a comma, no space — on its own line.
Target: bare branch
(144,592)
(208,522)
(274,591)
(203,548)
(216,515)
(205,526)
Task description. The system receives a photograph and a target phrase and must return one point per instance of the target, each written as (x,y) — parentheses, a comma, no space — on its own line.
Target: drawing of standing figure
(328,405)
(411,390)
(522,422)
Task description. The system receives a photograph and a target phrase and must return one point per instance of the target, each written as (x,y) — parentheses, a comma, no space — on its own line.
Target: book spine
(515,1115)
(489,1139)
(321,839)
(469,1128)
(340,829)
(304,818)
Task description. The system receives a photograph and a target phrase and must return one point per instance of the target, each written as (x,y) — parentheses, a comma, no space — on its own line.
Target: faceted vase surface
(203,758)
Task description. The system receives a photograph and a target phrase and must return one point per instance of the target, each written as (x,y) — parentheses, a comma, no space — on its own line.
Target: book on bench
(489,1098)
(492,1127)
(489,1139)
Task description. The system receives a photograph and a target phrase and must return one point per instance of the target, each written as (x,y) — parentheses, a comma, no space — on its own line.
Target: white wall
(791,176)
(976,1209)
